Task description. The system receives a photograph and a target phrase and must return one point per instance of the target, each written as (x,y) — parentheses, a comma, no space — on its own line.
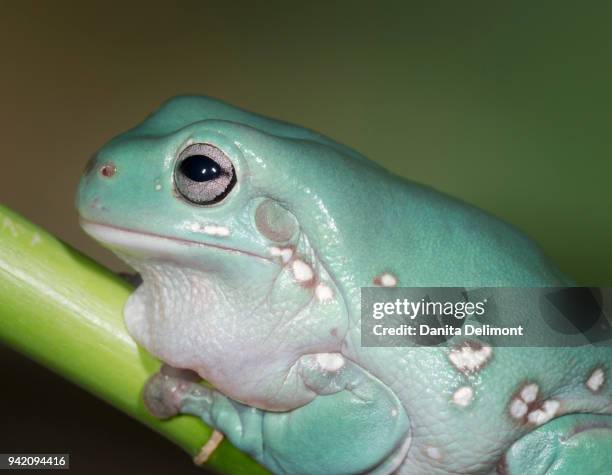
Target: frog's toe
(160,396)
(164,391)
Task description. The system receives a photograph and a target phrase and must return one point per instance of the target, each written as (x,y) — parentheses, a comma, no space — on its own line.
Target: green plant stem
(65,311)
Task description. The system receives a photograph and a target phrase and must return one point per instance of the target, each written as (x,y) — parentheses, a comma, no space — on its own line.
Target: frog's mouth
(145,242)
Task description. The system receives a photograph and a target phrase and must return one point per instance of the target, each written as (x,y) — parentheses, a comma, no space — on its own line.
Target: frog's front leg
(355,424)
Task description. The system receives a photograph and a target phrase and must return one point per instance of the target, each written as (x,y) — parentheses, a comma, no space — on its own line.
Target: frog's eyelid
(208,150)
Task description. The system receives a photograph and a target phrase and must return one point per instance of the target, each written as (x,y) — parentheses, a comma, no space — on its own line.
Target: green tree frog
(253,238)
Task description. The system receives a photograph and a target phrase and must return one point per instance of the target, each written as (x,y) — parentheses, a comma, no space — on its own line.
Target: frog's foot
(164,391)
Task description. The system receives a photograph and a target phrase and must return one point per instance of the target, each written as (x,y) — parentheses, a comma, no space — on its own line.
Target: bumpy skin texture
(259,294)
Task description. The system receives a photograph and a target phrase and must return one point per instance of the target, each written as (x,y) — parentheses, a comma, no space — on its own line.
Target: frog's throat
(125,238)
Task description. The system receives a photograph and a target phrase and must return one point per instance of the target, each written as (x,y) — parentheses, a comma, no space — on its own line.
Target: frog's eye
(203,174)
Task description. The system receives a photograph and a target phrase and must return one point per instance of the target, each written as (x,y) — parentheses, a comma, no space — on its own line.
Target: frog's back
(432,239)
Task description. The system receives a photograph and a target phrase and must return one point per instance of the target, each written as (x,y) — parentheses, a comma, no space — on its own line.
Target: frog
(254,237)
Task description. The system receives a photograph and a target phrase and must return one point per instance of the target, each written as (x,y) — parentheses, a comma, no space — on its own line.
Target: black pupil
(200,168)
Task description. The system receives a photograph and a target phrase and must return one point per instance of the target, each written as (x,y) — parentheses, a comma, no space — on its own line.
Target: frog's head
(229,218)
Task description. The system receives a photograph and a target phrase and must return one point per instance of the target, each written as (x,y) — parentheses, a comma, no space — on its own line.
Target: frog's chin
(144,243)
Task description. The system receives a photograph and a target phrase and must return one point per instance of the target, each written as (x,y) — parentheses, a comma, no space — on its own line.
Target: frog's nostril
(108,170)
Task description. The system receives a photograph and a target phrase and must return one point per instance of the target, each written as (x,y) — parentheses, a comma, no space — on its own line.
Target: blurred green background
(504,104)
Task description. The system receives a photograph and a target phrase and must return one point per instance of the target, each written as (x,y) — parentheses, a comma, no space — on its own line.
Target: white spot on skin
(386,280)
(518,408)
(158,187)
(529,393)
(463,396)
(394,412)
(324,293)
(523,404)
(213,230)
(469,359)
(520,404)
(330,361)
(285,253)
(302,271)
(433,453)
(596,380)
(545,413)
